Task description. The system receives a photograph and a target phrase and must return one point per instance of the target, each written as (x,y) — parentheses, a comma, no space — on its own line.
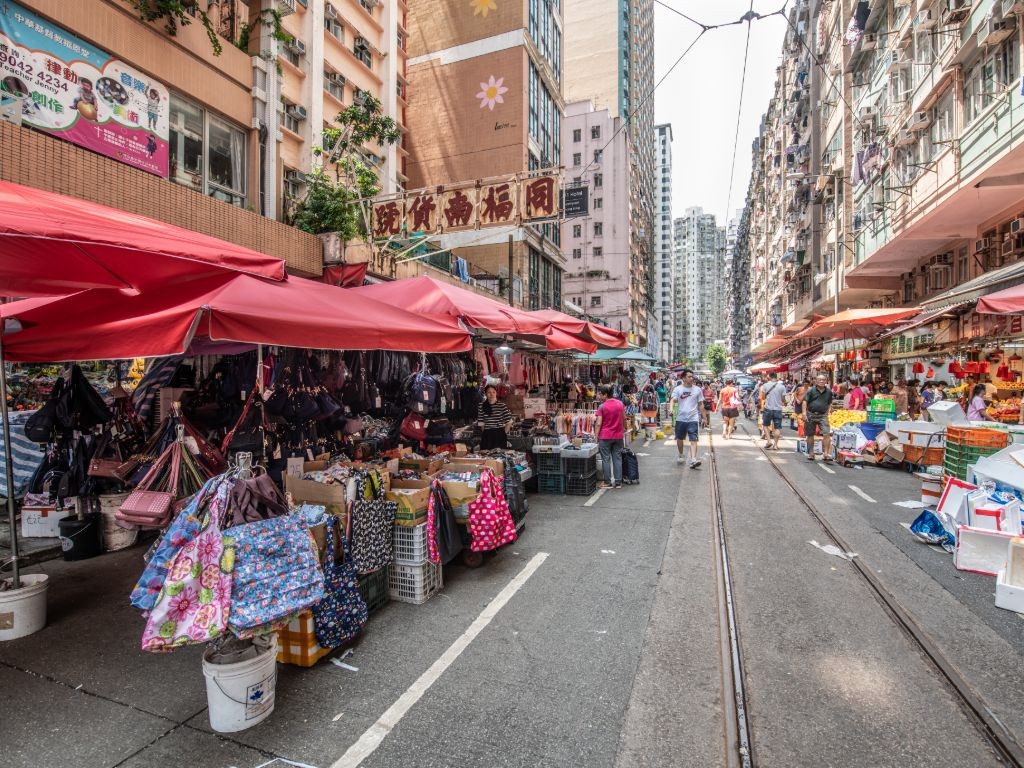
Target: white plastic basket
(414,583)
(411,544)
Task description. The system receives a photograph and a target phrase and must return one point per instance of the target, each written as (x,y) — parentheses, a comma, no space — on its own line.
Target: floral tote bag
(342,614)
(277,574)
(195,601)
(372,523)
(490,522)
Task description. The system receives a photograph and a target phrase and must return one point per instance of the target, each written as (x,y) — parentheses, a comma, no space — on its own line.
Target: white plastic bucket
(23,611)
(241,694)
(114,536)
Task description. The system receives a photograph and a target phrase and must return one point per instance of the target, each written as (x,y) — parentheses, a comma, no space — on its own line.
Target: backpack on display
(649,401)
(423,393)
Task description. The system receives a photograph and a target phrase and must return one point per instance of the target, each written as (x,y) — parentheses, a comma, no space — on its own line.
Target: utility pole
(511,294)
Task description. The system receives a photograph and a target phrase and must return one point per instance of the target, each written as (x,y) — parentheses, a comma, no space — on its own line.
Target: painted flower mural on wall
(482,7)
(491,93)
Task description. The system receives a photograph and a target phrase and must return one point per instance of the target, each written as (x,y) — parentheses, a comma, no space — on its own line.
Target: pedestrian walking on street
(689,400)
(611,431)
(729,405)
(774,395)
(816,405)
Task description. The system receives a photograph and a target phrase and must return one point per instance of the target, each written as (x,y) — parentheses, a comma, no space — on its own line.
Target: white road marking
(607,551)
(595,496)
(670,443)
(376,733)
(646,443)
(863,495)
(827,469)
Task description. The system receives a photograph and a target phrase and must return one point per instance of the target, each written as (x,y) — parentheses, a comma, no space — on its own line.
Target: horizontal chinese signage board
(73,90)
(460,207)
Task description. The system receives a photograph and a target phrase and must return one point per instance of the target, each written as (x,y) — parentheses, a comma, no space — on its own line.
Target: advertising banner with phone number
(75,91)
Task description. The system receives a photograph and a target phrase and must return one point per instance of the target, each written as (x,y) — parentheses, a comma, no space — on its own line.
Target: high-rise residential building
(609,60)
(737,283)
(192,137)
(485,101)
(597,246)
(339,51)
(664,264)
(700,265)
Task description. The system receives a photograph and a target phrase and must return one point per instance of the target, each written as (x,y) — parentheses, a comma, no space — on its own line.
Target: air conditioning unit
(895,61)
(838,164)
(869,42)
(286,7)
(867,114)
(958,12)
(905,138)
(924,19)
(330,11)
(1011,7)
(297,111)
(296,46)
(336,77)
(982,244)
(1017,225)
(294,176)
(1007,247)
(993,32)
(919,121)
(943,259)
(360,42)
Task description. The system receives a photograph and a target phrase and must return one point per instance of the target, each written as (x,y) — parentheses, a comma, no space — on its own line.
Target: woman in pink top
(611,430)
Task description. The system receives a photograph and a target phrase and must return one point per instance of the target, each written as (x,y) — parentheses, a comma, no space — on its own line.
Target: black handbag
(87,407)
(447,534)
(39,427)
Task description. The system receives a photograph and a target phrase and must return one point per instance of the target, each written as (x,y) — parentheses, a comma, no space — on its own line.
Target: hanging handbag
(40,426)
(277,574)
(490,522)
(88,408)
(372,520)
(414,427)
(106,458)
(342,614)
(195,599)
(444,539)
(150,504)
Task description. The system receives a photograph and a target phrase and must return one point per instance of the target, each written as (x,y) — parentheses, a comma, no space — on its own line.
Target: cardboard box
(412,497)
(497,467)
(423,466)
(310,492)
(41,522)
(895,452)
(460,493)
(516,404)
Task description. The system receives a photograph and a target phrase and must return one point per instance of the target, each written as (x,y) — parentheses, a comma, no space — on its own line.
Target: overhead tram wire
(739,115)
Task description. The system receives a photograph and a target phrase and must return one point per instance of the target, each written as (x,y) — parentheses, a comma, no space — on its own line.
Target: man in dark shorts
(816,404)
(774,394)
(690,414)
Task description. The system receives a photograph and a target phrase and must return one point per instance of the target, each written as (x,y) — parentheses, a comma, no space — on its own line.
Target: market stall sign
(576,201)
(842,345)
(489,203)
(72,90)
(979,326)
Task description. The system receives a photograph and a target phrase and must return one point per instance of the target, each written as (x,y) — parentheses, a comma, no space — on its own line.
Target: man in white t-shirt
(689,400)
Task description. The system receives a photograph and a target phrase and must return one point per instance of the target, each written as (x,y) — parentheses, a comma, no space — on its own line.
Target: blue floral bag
(342,614)
(277,574)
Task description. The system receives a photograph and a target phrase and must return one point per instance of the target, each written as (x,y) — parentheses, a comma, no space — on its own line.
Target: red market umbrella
(434,298)
(54,244)
(859,322)
(103,324)
(763,368)
(599,334)
(1009,301)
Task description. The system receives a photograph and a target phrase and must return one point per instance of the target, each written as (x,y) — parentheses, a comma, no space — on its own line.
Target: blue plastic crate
(549,463)
(551,484)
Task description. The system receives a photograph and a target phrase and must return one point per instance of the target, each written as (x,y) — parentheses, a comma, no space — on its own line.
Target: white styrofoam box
(1008,596)
(981,551)
(844,441)
(550,448)
(583,452)
(931,488)
(41,522)
(948,413)
(953,501)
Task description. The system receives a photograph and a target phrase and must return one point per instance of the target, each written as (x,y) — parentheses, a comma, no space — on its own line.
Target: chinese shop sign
(454,209)
(73,90)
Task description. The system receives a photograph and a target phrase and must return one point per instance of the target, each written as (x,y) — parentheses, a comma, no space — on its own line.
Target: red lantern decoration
(918,367)
(956,369)
(930,374)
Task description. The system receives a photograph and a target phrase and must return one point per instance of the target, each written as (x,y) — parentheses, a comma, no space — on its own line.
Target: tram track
(739,742)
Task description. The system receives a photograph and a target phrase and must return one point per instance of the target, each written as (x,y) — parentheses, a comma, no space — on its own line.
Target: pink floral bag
(195,601)
(490,521)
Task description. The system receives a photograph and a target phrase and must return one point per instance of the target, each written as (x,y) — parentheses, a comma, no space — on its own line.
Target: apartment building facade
(900,154)
(700,268)
(663,274)
(597,246)
(184,137)
(485,101)
(609,60)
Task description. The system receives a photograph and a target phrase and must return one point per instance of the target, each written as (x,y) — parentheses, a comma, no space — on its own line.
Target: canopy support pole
(9,466)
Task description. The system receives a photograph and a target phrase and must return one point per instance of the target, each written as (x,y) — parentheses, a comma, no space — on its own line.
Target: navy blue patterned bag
(342,613)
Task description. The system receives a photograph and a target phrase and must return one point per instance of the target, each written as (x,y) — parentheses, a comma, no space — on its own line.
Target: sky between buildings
(701,96)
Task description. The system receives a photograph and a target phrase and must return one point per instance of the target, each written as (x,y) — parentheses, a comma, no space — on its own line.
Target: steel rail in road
(738,751)
(973,703)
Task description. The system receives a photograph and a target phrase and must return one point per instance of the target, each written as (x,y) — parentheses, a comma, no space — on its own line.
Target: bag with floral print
(490,521)
(372,522)
(194,603)
(342,614)
(277,574)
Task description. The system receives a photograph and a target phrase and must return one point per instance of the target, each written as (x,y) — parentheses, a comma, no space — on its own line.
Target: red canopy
(103,324)
(434,298)
(53,244)
(858,322)
(1009,301)
(599,334)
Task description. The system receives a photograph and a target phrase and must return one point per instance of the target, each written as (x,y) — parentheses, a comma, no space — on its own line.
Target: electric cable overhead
(739,115)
